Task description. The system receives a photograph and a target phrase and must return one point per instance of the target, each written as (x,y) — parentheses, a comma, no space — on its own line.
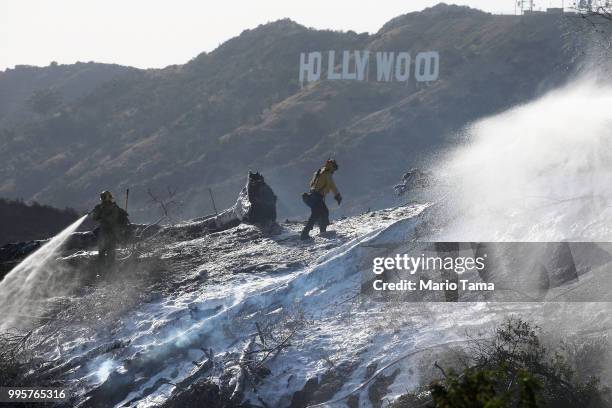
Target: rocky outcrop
(256,204)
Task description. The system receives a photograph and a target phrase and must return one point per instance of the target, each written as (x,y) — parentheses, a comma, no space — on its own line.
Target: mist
(538,172)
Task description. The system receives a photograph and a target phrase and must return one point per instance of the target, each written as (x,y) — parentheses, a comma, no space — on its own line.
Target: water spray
(539,172)
(37,278)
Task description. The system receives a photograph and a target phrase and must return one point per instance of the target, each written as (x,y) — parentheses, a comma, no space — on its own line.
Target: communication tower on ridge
(526,6)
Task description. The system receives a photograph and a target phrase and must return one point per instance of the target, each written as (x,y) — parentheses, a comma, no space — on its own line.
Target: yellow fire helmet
(106,196)
(331,163)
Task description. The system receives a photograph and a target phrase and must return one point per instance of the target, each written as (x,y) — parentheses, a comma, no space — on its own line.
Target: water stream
(25,290)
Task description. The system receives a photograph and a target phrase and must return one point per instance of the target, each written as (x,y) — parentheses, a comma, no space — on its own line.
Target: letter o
(427,66)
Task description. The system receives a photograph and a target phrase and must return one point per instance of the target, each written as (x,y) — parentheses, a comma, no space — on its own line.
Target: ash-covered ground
(254,316)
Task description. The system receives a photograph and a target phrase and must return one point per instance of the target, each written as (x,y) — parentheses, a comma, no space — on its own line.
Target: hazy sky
(156,33)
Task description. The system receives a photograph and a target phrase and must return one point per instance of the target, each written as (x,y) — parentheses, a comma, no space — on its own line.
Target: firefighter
(113,221)
(322,183)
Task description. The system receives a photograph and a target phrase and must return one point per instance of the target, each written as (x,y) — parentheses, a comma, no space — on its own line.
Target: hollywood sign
(355,66)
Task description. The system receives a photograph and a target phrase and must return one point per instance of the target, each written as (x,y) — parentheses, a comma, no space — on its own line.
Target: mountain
(26,92)
(202,125)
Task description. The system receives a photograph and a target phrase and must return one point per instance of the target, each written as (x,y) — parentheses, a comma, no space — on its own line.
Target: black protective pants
(107,242)
(319,214)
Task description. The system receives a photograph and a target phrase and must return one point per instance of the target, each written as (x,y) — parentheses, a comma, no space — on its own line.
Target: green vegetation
(515,369)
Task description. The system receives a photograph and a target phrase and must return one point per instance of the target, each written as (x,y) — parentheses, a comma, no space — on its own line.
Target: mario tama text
(449,271)
(381,66)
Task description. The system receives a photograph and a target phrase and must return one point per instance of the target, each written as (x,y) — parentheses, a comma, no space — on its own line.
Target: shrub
(515,369)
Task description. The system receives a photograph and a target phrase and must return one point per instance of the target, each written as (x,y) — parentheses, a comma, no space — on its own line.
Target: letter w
(384,63)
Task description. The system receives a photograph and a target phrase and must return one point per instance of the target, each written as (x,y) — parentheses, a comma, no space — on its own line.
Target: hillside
(204,124)
(22,222)
(28,92)
(223,319)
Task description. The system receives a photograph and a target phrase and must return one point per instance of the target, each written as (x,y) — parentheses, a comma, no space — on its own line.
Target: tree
(601,9)
(514,369)
(589,31)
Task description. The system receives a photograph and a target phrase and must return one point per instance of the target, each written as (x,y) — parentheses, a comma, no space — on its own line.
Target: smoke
(538,172)
(26,290)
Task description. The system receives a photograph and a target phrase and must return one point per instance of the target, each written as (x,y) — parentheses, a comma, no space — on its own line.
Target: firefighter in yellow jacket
(321,184)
